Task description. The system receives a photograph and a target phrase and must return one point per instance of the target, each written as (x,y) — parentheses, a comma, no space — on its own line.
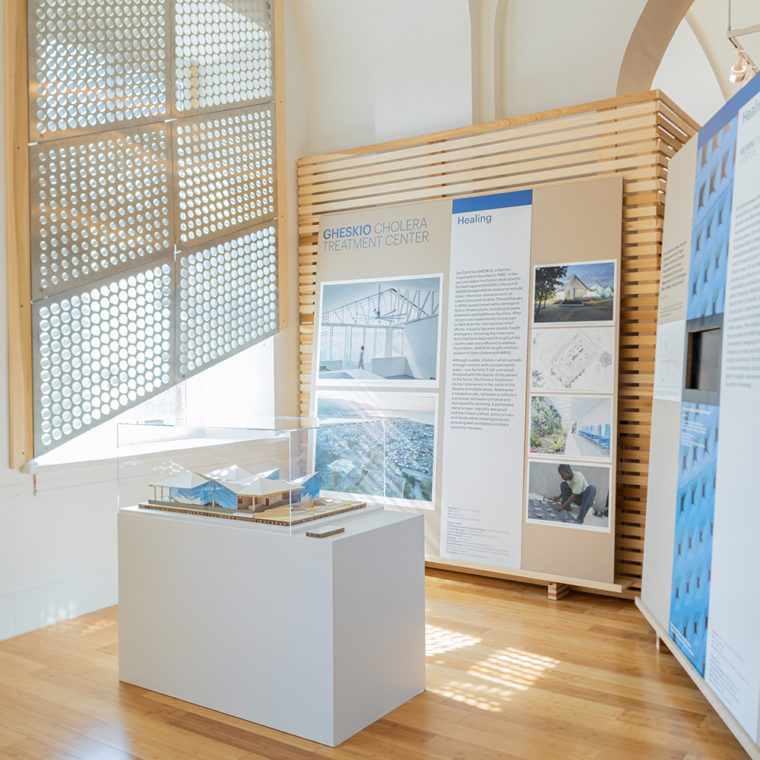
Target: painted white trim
(698,32)
(39,606)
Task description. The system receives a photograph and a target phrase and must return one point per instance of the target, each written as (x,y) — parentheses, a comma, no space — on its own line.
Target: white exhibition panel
(701,561)
(456,376)
(668,383)
(733,656)
(486,358)
(314,637)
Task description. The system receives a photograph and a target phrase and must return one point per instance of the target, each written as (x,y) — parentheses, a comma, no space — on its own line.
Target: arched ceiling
(647,45)
(377,70)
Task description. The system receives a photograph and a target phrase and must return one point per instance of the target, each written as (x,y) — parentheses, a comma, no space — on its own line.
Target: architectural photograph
(392,457)
(379,380)
(575,293)
(577,427)
(377,331)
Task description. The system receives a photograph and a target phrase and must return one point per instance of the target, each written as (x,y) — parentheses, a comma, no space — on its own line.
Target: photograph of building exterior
(575,293)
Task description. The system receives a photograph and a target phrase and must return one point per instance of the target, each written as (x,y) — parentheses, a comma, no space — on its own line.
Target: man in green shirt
(574,489)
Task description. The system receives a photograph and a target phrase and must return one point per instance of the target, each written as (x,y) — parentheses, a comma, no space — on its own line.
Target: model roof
(300,481)
(183,480)
(260,486)
(236,479)
(231,472)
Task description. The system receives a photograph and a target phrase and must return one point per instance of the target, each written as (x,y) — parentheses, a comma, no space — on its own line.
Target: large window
(152,188)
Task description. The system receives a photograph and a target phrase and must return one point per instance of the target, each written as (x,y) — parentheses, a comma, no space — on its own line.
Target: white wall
(378,70)
(421,347)
(335,51)
(686,76)
(57,550)
(297,105)
(561,53)
(421,62)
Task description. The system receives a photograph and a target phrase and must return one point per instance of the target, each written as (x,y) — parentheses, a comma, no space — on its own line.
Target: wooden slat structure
(634,136)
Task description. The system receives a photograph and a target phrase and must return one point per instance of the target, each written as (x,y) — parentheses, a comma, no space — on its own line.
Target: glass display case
(286,474)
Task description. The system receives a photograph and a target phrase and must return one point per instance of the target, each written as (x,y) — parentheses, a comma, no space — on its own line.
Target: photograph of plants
(575,426)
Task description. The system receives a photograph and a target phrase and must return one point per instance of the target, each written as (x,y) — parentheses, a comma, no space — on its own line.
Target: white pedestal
(315,637)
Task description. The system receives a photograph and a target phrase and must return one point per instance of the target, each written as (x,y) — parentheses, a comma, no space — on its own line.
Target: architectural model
(235,493)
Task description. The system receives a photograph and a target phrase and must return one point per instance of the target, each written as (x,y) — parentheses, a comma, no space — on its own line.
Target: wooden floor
(510,675)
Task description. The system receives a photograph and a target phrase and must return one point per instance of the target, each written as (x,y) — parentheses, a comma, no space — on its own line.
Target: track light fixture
(738,70)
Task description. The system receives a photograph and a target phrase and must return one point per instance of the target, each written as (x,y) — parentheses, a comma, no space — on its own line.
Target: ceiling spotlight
(738,71)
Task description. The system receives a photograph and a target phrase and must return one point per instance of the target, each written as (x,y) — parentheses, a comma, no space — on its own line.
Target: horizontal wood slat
(634,136)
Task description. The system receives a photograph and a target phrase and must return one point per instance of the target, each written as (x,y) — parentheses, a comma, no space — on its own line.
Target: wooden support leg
(557,590)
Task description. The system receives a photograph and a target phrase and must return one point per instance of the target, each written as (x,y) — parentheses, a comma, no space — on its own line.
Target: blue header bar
(487,202)
(729,111)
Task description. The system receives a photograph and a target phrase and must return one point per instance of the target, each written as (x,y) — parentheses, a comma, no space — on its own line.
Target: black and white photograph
(380,331)
(571,494)
(574,293)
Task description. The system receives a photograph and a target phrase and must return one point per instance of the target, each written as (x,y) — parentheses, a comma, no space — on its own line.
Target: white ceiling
(374,70)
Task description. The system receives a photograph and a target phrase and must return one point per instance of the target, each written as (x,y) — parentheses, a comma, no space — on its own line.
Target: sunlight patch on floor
(494,681)
(440,640)
(514,668)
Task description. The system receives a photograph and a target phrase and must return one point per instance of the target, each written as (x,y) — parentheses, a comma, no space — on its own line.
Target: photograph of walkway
(576,427)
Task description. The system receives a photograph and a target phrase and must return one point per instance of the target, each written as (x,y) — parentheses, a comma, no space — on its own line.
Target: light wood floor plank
(510,676)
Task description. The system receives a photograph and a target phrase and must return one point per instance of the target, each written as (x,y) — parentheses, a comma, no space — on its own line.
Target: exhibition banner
(692,554)
(662,481)
(700,412)
(709,308)
(733,658)
(484,419)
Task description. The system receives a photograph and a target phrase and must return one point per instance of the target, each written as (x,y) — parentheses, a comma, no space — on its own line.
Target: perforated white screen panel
(152,195)
(224,172)
(100,350)
(227,298)
(223,53)
(101,204)
(96,64)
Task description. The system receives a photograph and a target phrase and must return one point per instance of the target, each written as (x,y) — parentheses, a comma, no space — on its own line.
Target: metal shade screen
(215,69)
(101,350)
(227,298)
(225,172)
(103,205)
(152,196)
(97,64)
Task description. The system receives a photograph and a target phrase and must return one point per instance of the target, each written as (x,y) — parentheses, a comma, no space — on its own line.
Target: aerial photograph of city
(389,452)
